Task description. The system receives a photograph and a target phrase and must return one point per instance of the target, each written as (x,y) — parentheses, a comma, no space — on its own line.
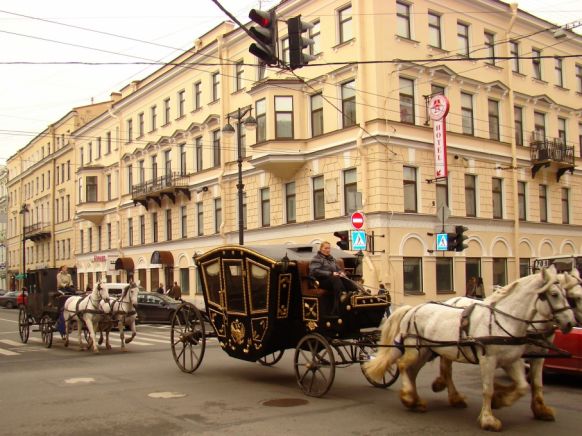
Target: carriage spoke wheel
(23,325)
(272,358)
(389,377)
(188,337)
(314,365)
(46,330)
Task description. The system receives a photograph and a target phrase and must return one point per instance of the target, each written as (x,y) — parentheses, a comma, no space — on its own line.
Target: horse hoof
(491,424)
(544,413)
(458,402)
(100,341)
(108,347)
(438,385)
(123,350)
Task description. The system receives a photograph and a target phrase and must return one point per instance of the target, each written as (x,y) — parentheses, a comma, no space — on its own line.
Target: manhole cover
(285,402)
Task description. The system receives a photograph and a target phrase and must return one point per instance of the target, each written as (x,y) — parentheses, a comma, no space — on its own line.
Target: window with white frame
(565,206)
(463,38)
(536,63)
(490,47)
(318,198)
(350,190)
(290,203)
(217,214)
(406,87)
(493,112)
(543,203)
(403,20)
(265,207)
(316,114)
(522,200)
(216,148)
(197,95)
(153,118)
(346,32)
(514,53)
(559,72)
(167,111)
(261,111)
(467,113)
(348,90)
(470,195)
(215,86)
(238,76)
(409,180)
(434,30)
(412,275)
(181,103)
(315,35)
(497,197)
(283,117)
(518,127)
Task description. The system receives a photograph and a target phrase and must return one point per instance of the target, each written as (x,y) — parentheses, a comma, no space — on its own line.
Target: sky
(34,96)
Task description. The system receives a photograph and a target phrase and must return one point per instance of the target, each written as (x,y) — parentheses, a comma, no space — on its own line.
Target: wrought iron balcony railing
(546,151)
(154,189)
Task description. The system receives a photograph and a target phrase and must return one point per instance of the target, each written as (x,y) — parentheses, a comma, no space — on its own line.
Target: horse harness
(538,337)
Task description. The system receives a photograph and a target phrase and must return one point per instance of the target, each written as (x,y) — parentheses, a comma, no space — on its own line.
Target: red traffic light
(262,18)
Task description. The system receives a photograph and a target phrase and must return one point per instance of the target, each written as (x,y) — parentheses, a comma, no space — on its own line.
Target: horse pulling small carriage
(53,310)
(261,301)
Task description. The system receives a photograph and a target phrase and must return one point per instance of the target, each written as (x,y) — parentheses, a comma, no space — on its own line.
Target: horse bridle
(544,297)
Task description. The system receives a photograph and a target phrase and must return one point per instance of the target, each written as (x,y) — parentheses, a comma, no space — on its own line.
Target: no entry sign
(358,220)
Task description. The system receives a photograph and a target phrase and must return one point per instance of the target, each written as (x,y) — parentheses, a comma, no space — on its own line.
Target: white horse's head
(573,286)
(552,302)
(130,294)
(102,292)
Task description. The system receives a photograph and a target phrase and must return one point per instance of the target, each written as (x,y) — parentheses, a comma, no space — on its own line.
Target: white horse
(573,286)
(124,312)
(85,310)
(491,334)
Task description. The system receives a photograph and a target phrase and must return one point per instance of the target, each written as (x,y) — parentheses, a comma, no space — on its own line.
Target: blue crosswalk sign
(359,240)
(442,241)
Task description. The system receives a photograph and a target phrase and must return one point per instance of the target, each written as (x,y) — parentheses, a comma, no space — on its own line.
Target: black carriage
(42,306)
(261,301)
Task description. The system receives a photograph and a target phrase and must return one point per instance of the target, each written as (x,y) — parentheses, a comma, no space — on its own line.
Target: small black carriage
(42,306)
(261,301)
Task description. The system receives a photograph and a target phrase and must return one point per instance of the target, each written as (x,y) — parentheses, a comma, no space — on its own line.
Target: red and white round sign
(358,220)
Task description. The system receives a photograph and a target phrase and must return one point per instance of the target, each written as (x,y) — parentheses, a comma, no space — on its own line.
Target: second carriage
(261,301)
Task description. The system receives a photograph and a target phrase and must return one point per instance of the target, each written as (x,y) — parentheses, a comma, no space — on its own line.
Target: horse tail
(387,354)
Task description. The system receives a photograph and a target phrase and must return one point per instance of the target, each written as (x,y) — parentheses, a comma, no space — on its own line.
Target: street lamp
(23,210)
(249,123)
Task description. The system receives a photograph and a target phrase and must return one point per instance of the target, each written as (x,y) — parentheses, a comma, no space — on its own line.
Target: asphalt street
(63,391)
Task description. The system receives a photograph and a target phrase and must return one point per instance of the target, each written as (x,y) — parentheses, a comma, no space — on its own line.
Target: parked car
(155,308)
(8,300)
(572,343)
(3,291)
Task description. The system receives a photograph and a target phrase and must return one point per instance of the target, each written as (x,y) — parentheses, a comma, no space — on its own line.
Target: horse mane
(506,290)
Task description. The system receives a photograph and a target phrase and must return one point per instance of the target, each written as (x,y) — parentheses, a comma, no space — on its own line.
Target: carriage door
(246,302)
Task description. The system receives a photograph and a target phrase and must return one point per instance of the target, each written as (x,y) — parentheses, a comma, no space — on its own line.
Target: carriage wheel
(314,365)
(389,377)
(271,359)
(46,330)
(23,325)
(188,337)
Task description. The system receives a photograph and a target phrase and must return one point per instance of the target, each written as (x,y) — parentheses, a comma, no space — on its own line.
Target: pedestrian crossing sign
(359,240)
(442,241)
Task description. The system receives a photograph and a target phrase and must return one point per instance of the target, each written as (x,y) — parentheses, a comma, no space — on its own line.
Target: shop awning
(124,263)
(162,258)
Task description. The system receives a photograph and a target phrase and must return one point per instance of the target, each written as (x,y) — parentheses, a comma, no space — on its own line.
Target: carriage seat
(309,284)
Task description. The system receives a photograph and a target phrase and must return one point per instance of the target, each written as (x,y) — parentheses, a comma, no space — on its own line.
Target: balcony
(551,152)
(37,231)
(169,185)
(93,211)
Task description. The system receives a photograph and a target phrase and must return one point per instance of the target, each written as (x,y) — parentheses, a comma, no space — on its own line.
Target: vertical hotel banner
(438,108)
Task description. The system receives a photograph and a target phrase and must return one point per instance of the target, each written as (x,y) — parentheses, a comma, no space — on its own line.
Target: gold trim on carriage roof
(233,249)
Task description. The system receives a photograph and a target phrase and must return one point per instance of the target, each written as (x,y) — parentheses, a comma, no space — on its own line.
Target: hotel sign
(438,108)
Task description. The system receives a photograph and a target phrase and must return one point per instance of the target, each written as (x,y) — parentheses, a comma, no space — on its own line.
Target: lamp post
(250,123)
(23,211)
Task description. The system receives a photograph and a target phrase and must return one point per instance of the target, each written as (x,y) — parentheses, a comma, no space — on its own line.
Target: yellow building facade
(41,198)
(348,132)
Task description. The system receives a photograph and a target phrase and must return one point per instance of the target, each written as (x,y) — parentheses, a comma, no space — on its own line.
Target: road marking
(8,353)
(166,395)
(141,344)
(73,381)
(167,341)
(13,343)
(9,320)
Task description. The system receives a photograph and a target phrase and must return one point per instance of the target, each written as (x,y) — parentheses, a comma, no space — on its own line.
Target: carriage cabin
(561,262)
(42,289)
(261,299)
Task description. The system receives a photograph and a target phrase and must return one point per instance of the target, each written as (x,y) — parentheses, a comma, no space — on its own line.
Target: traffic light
(344,239)
(451,241)
(297,42)
(265,36)
(460,238)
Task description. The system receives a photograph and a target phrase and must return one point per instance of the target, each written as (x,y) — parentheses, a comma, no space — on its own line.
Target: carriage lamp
(248,123)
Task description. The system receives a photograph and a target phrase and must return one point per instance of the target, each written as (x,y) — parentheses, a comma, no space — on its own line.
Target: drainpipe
(515,173)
